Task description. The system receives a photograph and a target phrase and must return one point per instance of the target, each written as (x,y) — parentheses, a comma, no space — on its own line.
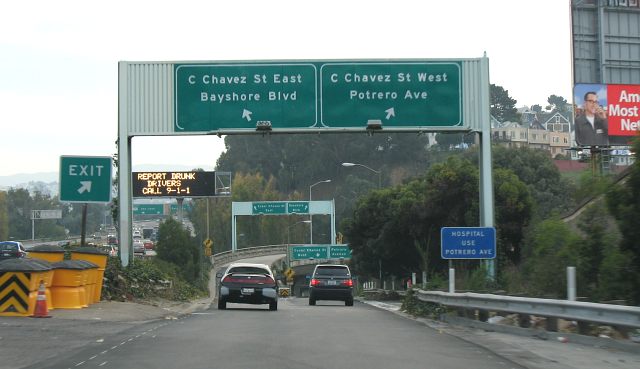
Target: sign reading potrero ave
(304,252)
(468,243)
(85,179)
(323,95)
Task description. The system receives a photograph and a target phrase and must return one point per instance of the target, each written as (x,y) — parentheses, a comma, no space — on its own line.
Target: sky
(59,59)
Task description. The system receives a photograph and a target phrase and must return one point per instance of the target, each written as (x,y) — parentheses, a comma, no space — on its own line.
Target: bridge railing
(225,257)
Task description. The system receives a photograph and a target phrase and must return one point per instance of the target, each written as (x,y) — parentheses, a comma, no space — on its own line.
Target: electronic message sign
(173,184)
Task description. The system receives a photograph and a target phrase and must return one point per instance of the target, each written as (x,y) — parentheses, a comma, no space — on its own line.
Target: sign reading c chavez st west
(346,95)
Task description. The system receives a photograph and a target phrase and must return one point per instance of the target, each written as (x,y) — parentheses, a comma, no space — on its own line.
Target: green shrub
(147,279)
(412,305)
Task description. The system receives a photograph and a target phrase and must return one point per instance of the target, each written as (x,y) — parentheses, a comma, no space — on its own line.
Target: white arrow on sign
(390,113)
(246,114)
(86,186)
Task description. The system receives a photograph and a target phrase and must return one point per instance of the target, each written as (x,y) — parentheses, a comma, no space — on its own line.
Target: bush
(146,279)
(412,305)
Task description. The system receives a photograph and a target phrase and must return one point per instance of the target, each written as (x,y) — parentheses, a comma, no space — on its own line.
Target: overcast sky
(59,59)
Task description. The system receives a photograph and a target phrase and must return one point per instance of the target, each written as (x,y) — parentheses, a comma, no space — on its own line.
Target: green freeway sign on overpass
(304,252)
(280,207)
(148,209)
(85,179)
(396,95)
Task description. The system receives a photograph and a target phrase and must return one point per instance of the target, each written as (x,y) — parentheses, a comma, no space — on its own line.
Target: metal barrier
(616,315)
(225,257)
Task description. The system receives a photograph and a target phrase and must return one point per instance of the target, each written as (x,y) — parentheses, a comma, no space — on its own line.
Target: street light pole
(310,215)
(378,172)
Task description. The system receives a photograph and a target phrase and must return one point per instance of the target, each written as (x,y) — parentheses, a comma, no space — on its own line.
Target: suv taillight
(315,282)
(348,283)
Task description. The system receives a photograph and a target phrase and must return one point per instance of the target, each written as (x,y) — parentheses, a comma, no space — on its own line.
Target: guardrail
(247,252)
(615,315)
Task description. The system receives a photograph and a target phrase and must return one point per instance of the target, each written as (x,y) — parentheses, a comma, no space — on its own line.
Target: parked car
(138,247)
(331,282)
(247,283)
(12,250)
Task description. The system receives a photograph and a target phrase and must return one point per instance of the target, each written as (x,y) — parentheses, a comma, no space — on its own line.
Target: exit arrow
(246,114)
(86,186)
(391,112)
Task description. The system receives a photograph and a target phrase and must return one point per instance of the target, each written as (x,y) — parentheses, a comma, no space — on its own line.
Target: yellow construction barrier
(68,289)
(19,283)
(99,258)
(50,253)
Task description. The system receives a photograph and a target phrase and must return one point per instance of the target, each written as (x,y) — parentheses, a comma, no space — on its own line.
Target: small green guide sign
(280,207)
(85,179)
(308,252)
(303,252)
(148,209)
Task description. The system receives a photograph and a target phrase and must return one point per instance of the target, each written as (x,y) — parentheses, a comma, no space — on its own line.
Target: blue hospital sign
(468,242)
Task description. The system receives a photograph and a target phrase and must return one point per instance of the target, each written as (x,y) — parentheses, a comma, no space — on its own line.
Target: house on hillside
(544,131)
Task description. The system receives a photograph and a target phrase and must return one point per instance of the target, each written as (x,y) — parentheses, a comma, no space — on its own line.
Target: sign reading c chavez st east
(85,179)
(398,95)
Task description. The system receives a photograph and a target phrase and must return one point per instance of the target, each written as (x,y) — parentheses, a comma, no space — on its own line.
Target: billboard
(606,114)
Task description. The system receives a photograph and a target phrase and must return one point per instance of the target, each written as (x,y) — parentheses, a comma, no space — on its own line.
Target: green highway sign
(269,208)
(341,95)
(299,207)
(308,252)
(304,252)
(148,209)
(209,97)
(280,207)
(393,94)
(85,179)
(339,251)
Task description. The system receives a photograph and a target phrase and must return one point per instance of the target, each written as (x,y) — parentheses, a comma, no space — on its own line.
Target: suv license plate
(247,291)
(332,283)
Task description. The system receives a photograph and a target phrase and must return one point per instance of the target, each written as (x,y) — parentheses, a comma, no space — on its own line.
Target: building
(544,131)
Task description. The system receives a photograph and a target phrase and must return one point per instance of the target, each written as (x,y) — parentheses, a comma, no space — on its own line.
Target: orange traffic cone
(41,310)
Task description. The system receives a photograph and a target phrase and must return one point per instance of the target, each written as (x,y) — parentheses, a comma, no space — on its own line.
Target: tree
(536,108)
(550,249)
(4,217)
(623,202)
(503,107)
(401,226)
(558,103)
(175,245)
(534,167)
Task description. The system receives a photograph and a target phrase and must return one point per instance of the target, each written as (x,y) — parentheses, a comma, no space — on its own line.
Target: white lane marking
(80,363)
(103,363)
(93,357)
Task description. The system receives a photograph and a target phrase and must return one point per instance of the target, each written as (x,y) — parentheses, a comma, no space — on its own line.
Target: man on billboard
(591,122)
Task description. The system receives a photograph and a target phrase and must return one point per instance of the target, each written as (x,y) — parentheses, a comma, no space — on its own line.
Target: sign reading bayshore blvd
(395,95)
(85,179)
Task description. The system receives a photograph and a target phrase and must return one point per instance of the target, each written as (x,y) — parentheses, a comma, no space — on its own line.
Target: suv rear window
(332,270)
(8,247)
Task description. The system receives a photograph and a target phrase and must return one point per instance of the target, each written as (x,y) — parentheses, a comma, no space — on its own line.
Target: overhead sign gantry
(300,96)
